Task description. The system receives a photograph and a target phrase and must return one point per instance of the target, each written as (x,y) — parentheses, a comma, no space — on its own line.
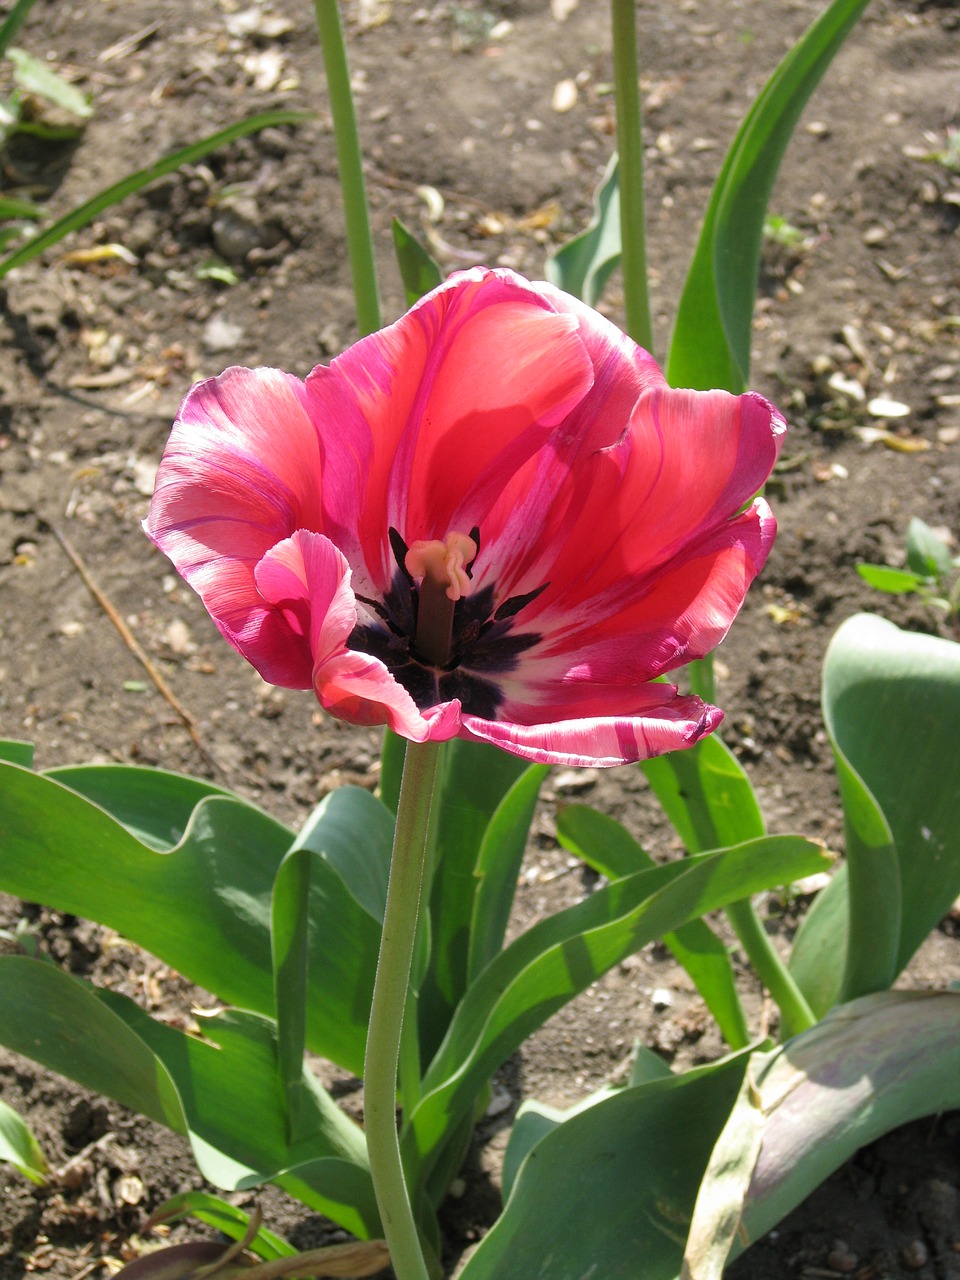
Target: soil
(486,127)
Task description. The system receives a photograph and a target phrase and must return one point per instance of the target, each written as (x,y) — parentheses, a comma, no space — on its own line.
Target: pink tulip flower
(492,520)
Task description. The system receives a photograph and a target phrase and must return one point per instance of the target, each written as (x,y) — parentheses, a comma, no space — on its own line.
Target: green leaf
(90,209)
(891,704)
(706,795)
(291,956)
(474,779)
(56,1020)
(711,339)
(867,1068)
(498,866)
(927,553)
(609,848)
(13,22)
(203,906)
(225,1217)
(11,208)
(609,1192)
(392,755)
(35,76)
(419,270)
(818,957)
(559,957)
(584,264)
(222,1091)
(19,1147)
(17,752)
(153,804)
(895,582)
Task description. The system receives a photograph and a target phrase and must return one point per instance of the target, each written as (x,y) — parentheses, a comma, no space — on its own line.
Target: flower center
(440,571)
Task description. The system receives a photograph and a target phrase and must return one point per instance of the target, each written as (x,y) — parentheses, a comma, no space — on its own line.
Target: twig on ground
(133,644)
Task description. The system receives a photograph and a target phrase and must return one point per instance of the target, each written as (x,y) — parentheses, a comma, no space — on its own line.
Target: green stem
(410,845)
(636,296)
(796,1014)
(350,160)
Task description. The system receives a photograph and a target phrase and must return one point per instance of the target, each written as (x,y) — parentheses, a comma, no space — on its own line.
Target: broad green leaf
(818,957)
(291,957)
(706,795)
(474,779)
(711,339)
(891,703)
(419,270)
(610,849)
(16,752)
(927,553)
(222,1091)
(90,209)
(609,1192)
(203,907)
(720,1198)
(867,1068)
(560,956)
(153,804)
(584,264)
(498,866)
(13,22)
(19,1147)
(225,1217)
(58,1021)
(35,76)
(895,582)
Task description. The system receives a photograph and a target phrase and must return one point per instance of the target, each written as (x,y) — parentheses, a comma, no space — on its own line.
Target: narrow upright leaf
(711,339)
(419,271)
(584,264)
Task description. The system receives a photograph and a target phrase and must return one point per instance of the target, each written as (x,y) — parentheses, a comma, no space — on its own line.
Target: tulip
(491,520)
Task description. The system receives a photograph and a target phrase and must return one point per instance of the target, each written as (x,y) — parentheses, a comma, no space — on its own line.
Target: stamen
(440,568)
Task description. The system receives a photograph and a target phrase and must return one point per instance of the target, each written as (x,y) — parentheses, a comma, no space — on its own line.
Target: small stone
(880,407)
(915,1255)
(221,334)
(662,998)
(565,96)
(840,1258)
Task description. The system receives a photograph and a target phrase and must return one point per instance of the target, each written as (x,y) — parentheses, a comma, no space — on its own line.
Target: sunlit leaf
(35,76)
(894,582)
(227,1218)
(19,1147)
(927,553)
(90,209)
(584,264)
(419,270)
(609,848)
(560,956)
(711,338)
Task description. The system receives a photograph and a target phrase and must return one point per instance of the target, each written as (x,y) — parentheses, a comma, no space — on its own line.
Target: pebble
(842,1259)
(915,1255)
(221,334)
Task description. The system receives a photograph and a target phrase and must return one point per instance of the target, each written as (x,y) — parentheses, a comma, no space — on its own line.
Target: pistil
(440,570)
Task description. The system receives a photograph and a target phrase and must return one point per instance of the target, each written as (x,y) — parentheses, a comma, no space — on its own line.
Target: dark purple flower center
(483,643)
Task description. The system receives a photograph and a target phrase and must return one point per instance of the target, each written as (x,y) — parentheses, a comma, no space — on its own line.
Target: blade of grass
(13,22)
(86,212)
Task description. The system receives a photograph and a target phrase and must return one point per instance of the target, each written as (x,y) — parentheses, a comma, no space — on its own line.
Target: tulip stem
(390,998)
(633,237)
(794,1010)
(356,209)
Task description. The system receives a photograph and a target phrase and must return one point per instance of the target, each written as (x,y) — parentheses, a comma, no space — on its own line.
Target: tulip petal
(240,472)
(437,413)
(306,580)
(603,741)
